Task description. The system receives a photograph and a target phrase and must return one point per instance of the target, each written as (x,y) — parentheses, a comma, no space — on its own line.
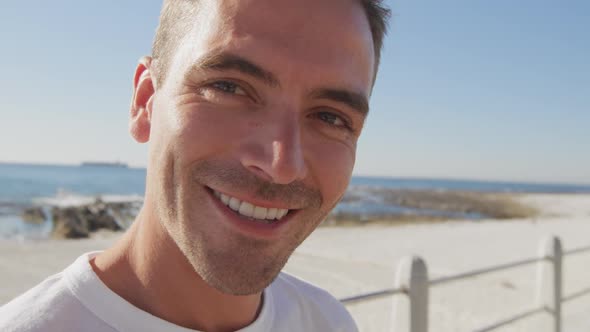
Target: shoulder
(304,289)
(311,303)
(31,310)
(49,306)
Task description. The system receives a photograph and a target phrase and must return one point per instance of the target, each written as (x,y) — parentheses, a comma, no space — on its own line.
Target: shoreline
(430,205)
(353,260)
(82,215)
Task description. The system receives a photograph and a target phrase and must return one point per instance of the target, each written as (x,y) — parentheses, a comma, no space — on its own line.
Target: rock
(80,221)
(124,212)
(99,216)
(69,223)
(34,215)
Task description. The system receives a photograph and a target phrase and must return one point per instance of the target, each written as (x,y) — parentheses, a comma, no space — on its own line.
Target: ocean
(22,185)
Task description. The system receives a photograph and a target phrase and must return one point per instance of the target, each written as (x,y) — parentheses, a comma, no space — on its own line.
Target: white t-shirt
(77,300)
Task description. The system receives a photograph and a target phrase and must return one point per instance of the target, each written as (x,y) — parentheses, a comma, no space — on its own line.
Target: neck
(147,269)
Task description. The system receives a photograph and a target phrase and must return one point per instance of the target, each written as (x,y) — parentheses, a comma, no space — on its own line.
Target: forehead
(300,40)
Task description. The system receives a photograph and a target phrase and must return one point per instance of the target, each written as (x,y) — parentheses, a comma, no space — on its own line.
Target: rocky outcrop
(99,216)
(80,221)
(34,215)
(69,223)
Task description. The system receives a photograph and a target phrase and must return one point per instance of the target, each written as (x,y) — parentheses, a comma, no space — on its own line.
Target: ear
(142,101)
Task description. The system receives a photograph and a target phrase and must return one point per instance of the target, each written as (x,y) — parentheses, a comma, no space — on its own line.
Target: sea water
(22,185)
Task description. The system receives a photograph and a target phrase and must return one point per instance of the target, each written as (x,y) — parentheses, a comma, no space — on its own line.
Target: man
(253,109)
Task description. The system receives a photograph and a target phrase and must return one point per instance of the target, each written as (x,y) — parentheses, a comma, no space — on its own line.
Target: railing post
(549,280)
(410,313)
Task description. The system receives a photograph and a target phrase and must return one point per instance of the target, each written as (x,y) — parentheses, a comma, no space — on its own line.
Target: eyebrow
(228,61)
(356,101)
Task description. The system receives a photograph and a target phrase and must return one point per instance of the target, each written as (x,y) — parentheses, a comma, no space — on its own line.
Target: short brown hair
(175,23)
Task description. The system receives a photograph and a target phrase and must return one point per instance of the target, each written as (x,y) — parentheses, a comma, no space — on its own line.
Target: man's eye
(333,119)
(228,87)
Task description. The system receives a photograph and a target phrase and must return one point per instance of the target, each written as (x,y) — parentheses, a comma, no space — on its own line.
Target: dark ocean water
(21,185)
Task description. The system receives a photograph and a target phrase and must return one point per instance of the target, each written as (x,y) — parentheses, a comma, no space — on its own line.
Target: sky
(490,90)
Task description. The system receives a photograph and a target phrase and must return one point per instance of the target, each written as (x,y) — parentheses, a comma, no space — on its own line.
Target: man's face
(260,113)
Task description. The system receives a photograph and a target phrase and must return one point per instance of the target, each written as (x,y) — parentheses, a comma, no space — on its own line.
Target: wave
(65,199)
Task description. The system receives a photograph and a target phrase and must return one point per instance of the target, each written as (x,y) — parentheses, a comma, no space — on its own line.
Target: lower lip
(247,226)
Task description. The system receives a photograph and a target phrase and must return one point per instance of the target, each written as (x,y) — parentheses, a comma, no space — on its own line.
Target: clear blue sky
(470,89)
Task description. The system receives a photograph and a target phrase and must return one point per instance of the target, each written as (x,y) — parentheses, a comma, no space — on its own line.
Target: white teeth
(271,213)
(225,199)
(234,204)
(281,213)
(259,212)
(246,209)
(250,210)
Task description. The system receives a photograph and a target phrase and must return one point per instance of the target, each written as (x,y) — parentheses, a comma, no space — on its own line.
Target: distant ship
(103,164)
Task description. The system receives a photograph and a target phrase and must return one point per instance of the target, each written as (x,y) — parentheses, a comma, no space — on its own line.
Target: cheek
(331,165)
(205,132)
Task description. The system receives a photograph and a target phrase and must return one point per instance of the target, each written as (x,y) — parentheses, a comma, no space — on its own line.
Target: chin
(244,274)
(233,264)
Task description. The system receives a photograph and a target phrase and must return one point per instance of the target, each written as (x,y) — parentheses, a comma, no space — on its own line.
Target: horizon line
(398,177)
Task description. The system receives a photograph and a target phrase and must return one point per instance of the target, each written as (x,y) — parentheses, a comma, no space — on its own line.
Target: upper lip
(256,201)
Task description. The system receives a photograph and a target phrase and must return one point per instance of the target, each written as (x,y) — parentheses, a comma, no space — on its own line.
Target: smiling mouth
(251,211)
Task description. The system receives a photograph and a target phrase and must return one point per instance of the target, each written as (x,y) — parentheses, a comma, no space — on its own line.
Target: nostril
(260,173)
(278,159)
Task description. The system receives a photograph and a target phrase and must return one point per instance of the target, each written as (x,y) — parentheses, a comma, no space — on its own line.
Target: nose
(275,151)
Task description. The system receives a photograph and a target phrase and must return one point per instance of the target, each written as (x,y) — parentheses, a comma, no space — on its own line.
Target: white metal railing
(412,281)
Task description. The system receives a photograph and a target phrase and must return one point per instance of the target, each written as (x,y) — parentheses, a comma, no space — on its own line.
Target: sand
(352,260)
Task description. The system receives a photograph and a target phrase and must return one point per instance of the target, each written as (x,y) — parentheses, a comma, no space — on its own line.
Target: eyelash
(345,123)
(228,87)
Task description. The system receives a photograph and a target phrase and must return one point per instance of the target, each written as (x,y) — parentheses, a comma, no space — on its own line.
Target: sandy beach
(357,259)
